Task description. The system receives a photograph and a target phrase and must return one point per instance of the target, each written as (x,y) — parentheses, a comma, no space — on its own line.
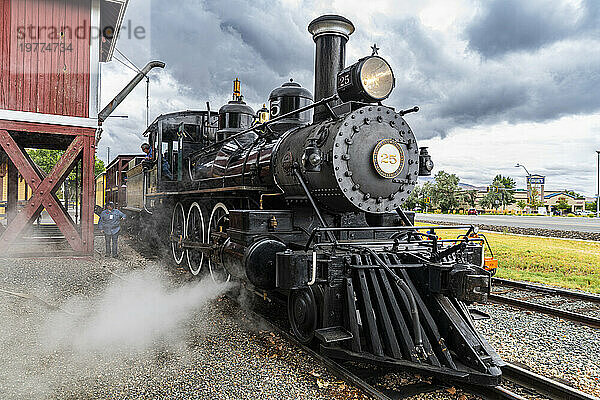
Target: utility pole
(147,101)
(598,187)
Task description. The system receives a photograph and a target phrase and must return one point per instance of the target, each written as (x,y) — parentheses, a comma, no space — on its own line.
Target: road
(558,223)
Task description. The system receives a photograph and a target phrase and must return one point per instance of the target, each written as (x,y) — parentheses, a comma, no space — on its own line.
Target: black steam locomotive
(305,199)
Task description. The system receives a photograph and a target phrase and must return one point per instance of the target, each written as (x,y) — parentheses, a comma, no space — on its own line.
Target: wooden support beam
(12,192)
(43,191)
(46,128)
(88,194)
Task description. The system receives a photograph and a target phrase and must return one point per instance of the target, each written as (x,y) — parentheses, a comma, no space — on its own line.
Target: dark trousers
(115,247)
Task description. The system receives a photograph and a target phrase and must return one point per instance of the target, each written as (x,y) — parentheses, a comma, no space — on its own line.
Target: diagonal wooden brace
(43,192)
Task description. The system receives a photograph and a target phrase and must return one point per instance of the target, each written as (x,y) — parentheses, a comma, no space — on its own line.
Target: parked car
(584,212)
(472,211)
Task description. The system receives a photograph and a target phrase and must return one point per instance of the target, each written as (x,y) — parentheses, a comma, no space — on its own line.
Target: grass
(565,263)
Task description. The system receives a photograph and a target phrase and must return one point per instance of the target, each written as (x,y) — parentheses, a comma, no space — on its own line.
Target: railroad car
(304,199)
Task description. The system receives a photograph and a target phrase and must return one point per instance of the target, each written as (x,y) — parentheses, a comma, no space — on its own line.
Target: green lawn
(559,262)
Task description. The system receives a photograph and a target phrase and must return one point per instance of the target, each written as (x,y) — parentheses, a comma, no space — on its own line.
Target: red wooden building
(50,52)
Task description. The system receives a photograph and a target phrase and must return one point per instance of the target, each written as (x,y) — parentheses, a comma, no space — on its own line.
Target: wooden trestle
(79,143)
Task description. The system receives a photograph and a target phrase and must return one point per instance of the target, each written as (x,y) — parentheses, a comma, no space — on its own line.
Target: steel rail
(543,384)
(493,393)
(552,311)
(547,289)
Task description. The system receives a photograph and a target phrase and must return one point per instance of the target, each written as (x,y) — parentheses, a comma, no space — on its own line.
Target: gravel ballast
(547,345)
(591,309)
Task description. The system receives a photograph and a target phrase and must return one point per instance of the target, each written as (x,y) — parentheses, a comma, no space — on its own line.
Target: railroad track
(592,297)
(544,309)
(527,381)
(543,385)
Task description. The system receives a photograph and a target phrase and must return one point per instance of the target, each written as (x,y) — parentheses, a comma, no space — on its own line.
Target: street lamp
(528,181)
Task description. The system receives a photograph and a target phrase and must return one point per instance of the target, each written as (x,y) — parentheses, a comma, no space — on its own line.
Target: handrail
(255,128)
(318,229)
(144,194)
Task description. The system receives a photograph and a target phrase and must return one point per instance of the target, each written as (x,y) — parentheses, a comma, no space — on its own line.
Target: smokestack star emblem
(375,50)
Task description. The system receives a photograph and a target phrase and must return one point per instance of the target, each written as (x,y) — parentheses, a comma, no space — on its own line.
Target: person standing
(110,225)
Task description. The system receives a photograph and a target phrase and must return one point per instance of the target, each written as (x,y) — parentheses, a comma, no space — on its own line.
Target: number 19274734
(43,47)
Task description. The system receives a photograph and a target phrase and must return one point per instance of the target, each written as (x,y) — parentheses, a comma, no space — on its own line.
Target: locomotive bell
(262,115)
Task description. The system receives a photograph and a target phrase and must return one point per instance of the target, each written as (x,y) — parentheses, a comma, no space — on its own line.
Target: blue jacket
(110,221)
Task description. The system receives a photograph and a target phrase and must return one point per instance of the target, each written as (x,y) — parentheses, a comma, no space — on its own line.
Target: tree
(413,199)
(563,205)
(47,159)
(425,196)
(470,197)
(504,190)
(574,194)
(99,167)
(445,191)
(521,204)
(418,197)
(491,200)
(534,201)
(501,193)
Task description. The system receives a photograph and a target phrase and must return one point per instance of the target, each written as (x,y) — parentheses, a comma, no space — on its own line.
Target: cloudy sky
(499,82)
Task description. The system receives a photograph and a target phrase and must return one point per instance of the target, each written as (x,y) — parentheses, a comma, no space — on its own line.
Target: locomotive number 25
(389,159)
(344,80)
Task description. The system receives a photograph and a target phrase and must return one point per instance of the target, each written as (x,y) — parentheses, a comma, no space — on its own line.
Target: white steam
(133,314)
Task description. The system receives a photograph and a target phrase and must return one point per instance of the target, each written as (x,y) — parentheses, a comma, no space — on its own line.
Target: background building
(550,202)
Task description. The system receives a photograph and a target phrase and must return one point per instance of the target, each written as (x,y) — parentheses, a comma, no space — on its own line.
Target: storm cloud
(481,63)
(511,25)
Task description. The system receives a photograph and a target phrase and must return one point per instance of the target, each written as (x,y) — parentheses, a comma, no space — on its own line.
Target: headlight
(370,80)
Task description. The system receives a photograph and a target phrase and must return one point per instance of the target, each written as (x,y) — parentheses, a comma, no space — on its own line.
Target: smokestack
(330,33)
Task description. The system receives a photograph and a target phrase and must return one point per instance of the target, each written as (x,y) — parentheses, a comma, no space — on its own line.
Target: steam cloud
(131,315)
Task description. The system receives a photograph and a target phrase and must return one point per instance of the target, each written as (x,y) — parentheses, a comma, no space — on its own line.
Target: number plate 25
(344,79)
(388,158)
